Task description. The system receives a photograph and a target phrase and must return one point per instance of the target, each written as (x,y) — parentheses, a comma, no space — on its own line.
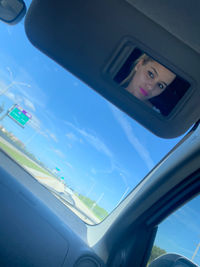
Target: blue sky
(180,232)
(72,127)
(101,152)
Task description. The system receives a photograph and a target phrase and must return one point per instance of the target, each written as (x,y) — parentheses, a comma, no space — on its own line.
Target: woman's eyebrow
(165,83)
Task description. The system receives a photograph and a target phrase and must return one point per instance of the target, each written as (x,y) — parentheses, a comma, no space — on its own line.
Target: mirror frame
(115,66)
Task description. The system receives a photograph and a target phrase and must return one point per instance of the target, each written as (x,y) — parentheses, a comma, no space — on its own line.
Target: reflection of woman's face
(150,79)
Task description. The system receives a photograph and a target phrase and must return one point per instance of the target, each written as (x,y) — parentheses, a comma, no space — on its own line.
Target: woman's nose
(150,86)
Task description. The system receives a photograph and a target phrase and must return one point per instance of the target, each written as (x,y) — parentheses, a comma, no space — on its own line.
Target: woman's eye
(151,74)
(161,86)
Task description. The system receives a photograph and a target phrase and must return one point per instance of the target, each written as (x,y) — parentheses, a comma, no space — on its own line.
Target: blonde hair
(145,59)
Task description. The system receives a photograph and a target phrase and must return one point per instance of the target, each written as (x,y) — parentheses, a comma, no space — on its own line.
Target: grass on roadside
(22,160)
(98,211)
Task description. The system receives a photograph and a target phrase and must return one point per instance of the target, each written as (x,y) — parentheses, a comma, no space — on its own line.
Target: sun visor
(125,56)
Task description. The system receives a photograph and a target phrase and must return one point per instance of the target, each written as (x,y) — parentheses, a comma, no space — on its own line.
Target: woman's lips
(143,92)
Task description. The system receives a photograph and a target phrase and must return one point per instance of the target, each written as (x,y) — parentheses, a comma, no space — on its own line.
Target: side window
(180,233)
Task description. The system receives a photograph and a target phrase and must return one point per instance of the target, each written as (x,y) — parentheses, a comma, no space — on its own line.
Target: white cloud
(34,122)
(29,104)
(97,143)
(10,96)
(22,88)
(68,164)
(72,137)
(92,139)
(44,134)
(59,153)
(53,137)
(14,97)
(23,83)
(135,142)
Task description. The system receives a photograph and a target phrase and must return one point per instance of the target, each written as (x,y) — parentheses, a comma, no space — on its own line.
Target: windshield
(87,152)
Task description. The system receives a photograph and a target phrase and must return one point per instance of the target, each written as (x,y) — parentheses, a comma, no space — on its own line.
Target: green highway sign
(19,115)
